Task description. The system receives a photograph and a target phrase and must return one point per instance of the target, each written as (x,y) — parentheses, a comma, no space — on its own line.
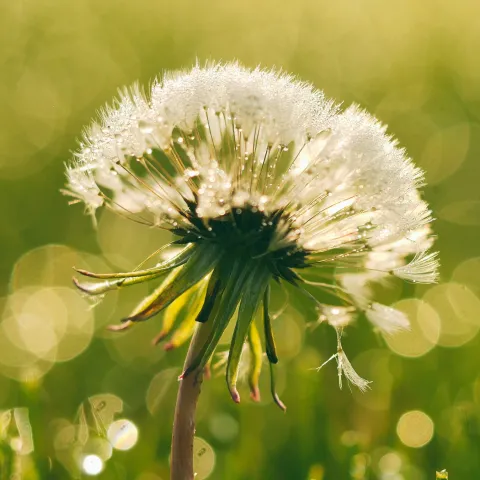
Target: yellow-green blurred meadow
(78,401)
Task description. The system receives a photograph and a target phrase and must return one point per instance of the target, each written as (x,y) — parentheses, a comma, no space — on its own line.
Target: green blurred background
(414,64)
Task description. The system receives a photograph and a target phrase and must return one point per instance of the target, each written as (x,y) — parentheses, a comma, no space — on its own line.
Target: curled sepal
(249,304)
(273,389)
(183,312)
(270,347)
(107,285)
(201,262)
(121,327)
(118,280)
(169,264)
(234,275)
(255,365)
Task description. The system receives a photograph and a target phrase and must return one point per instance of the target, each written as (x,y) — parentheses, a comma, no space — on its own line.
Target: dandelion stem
(184,421)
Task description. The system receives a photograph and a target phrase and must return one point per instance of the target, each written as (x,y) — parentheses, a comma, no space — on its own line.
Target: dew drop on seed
(145,126)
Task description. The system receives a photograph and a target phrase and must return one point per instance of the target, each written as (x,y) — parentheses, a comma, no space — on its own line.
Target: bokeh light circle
(122,434)
(415,429)
(464,212)
(158,388)
(390,463)
(468,273)
(445,151)
(203,458)
(92,465)
(52,266)
(223,427)
(41,326)
(137,241)
(289,333)
(98,446)
(376,366)
(424,331)
(459,311)
(104,406)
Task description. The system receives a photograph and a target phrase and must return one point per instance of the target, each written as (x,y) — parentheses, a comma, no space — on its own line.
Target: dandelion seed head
(347,154)
(256,169)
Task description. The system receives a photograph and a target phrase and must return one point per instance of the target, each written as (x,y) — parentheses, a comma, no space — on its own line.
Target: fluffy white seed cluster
(224,136)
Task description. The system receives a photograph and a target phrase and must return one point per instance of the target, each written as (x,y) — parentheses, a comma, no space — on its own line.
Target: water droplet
(190,173)
(145,126)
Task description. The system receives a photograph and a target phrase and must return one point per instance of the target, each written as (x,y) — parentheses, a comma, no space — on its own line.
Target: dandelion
(260,179)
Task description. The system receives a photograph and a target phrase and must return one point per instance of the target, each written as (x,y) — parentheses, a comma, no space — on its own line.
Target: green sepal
(185,310)
(213,290)
(126,279)
(270,346)
(160,268)
(169,318)
(273,389)
(235,274)
(201,262)
(249,304)
(106,286)
(255,366)
(147,301)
